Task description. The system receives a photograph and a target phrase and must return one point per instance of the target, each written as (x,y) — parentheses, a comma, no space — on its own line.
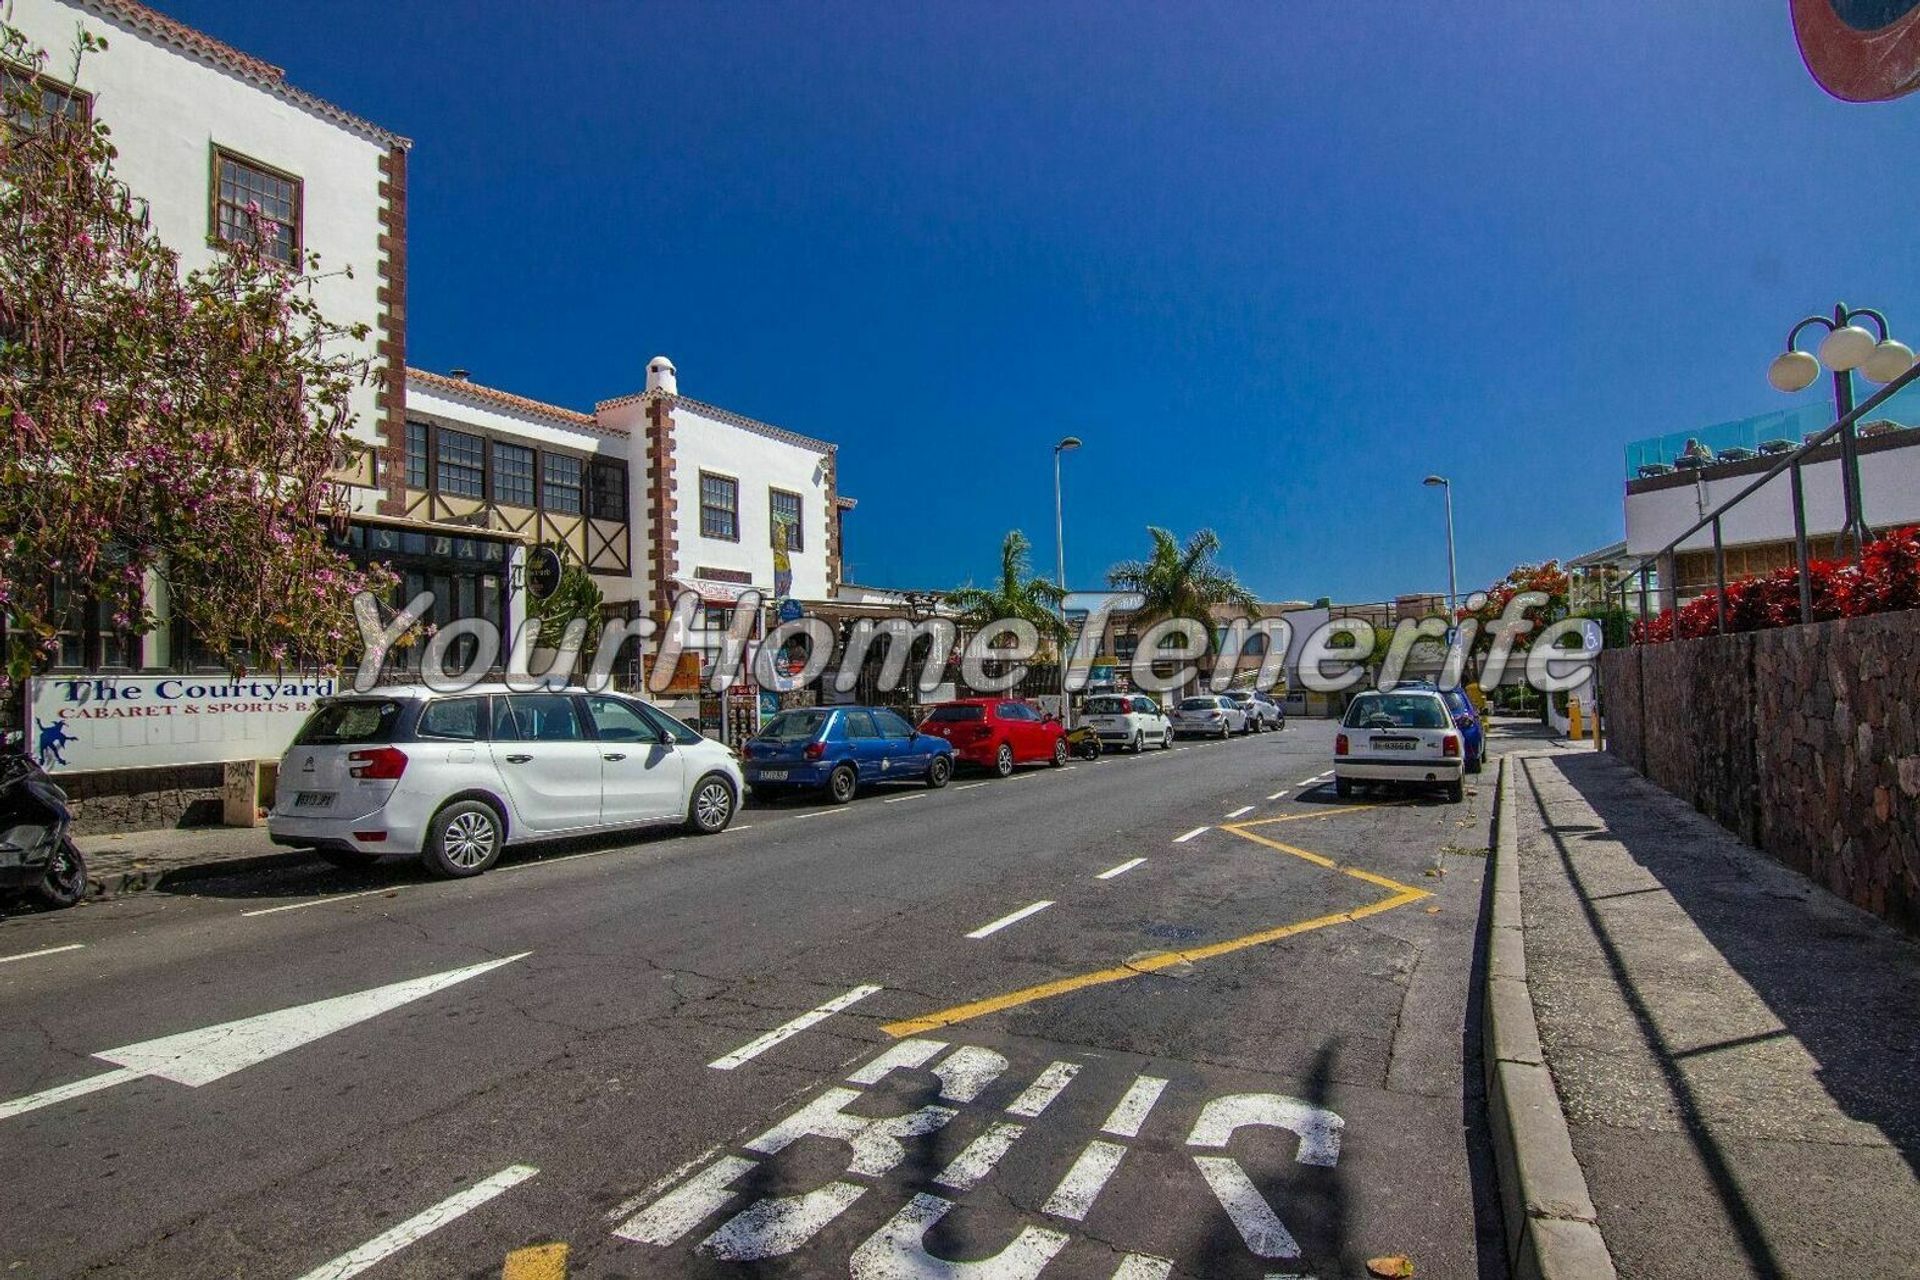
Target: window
(350,722)
(462,472)
(33,99)
(609,491)
(560,483)
(957,712)
(458,718)
(719,507)
(615,720)
(238,183)
(784,507)
(1016,711)
(416,455)
(512,474)
(546,717)
(504,729)
(860,726)
(1397,711)
(670,727)
(892,726)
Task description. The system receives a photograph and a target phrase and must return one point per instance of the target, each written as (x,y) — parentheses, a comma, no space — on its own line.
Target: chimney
(660,376)
(458,375)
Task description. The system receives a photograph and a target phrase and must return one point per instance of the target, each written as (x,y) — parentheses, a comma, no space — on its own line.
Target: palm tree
(1018,594)
(1181,581)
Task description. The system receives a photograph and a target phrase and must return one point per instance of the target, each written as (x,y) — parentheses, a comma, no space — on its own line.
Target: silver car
(1263,713)
(1210,714)
(453,778)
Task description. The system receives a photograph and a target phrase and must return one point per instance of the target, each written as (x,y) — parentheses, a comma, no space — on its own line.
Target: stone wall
(1805,741)
(144,799)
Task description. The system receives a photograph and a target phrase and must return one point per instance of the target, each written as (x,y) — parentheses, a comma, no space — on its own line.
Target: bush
(1886,580)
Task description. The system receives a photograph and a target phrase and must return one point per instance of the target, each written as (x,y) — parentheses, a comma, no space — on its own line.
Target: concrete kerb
(114,884)
(1552,1231)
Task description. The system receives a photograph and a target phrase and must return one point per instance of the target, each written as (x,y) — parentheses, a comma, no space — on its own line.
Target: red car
(998,733)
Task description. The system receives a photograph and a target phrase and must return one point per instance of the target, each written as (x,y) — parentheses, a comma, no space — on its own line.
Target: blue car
(1473,735)
(839,749)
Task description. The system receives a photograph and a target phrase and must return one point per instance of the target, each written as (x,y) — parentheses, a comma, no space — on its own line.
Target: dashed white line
(1197,831)
(1041,1093)
(970,786)
(1130,1112)
(754,1048)
(1120,870)
(44,951)
(1075,1195)
(1028,910)
(1241,812)
(318,902)
(821,813)
(1278,795)
(921,795)
(392,1241)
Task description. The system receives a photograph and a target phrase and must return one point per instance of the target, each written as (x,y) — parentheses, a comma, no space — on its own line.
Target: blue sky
(1274,262)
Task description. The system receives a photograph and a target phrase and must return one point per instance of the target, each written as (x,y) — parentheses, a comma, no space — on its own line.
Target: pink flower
(99,407)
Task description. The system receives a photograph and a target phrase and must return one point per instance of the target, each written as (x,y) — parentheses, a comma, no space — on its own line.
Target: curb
(115,884)
(1552,1231)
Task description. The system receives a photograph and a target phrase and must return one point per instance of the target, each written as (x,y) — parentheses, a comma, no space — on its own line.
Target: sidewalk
(1736,1051)
(142,861)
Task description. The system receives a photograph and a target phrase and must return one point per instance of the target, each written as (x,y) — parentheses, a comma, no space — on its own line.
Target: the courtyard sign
(80,723)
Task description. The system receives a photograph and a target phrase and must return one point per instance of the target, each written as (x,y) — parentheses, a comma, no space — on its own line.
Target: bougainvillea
(1886,579)
(1548,579)
(169,427)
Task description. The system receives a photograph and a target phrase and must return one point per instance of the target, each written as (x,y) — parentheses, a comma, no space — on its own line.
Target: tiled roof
(727,416)
(506,400)
(263,74)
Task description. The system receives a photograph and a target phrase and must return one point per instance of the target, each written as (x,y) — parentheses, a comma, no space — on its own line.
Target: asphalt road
(1235,1042)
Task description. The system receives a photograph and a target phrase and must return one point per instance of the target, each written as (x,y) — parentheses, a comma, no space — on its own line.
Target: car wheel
(463,840)
(1092,750)
(1226,731)
(1456,792)
(939,771)
(1003,760)
(1059,753)
(1139,741)
(348,859)
(711,807)
(66,880)
(1343,787)
(1166,740)
(842,783)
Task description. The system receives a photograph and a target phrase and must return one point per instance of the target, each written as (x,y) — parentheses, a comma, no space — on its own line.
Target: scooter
(36,852)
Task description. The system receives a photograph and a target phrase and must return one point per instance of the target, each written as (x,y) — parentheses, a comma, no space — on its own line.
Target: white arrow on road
(194,1058)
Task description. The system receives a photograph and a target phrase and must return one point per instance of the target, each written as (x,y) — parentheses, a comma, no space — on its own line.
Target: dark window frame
(48,85)
(499,475)
(732,513)
(419,467)
(296,238)
(796,540)
(472,463)
(608,501)
(549,485)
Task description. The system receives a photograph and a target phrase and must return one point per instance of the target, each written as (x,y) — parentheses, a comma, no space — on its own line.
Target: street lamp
(1453,586)
(1847,346)
(1060,566)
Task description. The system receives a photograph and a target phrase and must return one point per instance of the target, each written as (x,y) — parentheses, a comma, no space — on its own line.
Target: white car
(1262,711)
(1403,736)
(454,778)
(1209,714)
(1130,720)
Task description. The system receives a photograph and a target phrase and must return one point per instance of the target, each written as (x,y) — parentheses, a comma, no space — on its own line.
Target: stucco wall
(1803,740)
(759,463)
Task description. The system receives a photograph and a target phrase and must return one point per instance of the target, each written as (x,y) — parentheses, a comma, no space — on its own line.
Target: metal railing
(1842,431)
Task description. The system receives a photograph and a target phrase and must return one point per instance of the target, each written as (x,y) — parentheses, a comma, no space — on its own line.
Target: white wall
(167,108)
(504,421)
(758,462)
(1889,491)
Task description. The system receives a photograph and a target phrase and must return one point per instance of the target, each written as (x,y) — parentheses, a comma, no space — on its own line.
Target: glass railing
(1765,434)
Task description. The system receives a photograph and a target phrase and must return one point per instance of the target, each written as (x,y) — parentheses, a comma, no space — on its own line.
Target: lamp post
(1060,568)
(1846,347)
(1453,586)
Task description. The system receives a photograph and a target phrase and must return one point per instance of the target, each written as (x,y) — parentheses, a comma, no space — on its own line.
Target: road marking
(317,902)
(1131,1112)
(536,1262)
(1142,1266)
(1399,896)
(754,1048)
(744,826)
(1197,831)
(820,813)
(898,799)
(1241,812)
(1306,782)
(1120,870)
(1278,795)
(1040,1094)
(898,1250)
(682,1209)
(771,1227)
(1249,1211)
(970,786)
(966,1170)
(1075,1195)
(194,1058)
(1182,748)
(1015,918)
(392,1241)
(44,951)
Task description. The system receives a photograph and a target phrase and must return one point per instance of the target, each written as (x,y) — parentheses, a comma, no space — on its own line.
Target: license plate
(1393,744)
(773,775)
(313,800)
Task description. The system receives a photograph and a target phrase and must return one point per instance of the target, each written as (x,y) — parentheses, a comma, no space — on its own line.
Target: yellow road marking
(1399,896)
(537,1262)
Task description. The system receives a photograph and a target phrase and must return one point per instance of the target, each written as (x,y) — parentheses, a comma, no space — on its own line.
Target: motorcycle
(37,853)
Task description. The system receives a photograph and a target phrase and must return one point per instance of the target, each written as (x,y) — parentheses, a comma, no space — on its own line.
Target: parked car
(1399,736)
(1084,742)
(1263,713)
(1210,714)
(1465,718)
(840,749)
(1128,720)
(455,778)
(998,733)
